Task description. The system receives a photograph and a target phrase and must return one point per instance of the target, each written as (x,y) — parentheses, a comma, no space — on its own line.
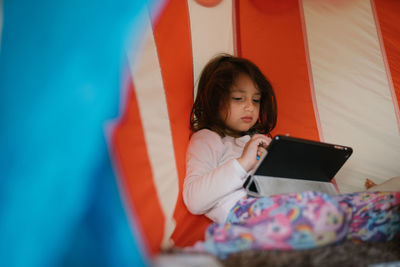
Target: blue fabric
(60,73)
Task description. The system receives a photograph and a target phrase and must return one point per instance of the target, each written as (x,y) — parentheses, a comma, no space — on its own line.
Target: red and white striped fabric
(334,66)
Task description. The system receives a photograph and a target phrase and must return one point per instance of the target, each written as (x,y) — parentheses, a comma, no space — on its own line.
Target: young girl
(234,112)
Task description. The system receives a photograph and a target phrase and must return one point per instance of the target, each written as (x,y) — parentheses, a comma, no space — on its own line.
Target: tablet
(296,158)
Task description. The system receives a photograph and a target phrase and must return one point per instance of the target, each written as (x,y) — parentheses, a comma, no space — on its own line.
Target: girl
(232,117)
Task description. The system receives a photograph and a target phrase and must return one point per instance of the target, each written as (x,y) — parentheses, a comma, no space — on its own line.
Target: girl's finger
(264,141)
(261,151)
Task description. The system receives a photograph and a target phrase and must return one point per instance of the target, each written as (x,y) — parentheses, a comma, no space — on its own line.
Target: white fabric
(352,90)
(211,31)
(214,178)
(146,75)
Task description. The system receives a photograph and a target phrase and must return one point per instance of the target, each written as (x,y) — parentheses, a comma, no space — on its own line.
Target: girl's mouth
(247,119)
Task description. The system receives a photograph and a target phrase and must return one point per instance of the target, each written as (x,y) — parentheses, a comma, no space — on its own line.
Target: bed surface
(347,253)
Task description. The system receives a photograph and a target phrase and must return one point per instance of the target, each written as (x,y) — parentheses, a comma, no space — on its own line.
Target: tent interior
(334,66)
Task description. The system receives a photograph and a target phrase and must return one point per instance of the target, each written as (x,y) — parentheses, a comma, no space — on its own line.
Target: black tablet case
(302,159)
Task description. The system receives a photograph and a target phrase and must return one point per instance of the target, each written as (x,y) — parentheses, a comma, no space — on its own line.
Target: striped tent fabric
(334,66)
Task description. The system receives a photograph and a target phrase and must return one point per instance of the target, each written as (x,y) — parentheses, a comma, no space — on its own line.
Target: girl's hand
(255,147)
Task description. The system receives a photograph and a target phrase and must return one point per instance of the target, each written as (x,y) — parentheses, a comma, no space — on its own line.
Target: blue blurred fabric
(60,79)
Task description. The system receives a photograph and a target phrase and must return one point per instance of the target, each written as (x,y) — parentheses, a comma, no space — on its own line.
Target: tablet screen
(297,158)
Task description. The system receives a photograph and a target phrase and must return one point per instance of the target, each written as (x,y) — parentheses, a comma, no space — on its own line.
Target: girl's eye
(237,98)
(256,100)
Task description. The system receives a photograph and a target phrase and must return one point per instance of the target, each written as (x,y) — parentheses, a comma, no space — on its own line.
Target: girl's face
(244,105)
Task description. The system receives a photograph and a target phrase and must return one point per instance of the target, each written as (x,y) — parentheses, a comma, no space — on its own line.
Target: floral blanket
(304,220)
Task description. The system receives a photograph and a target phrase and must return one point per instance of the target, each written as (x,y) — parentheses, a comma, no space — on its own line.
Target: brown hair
(216,80)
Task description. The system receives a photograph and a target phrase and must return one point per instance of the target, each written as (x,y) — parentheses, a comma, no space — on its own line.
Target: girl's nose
(249,105)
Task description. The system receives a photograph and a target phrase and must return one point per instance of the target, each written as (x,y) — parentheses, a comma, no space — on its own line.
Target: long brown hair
(215,83)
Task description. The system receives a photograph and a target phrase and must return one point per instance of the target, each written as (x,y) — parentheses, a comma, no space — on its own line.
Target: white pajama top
(214,178)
